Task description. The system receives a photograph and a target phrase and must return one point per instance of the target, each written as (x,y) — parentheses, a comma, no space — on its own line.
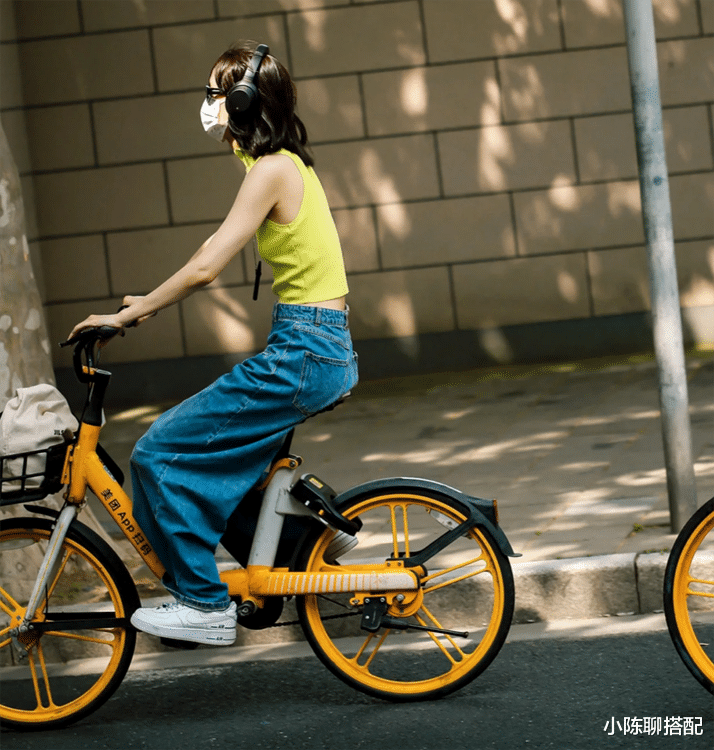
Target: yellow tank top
(304,255)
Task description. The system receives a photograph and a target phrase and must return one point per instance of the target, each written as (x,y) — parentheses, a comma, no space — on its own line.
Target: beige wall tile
(342,40)
(74,268)
(85,201)
(692,199)
(203,189)
(695,268)
(606,145)
(506,157)
(400,303)
(186,53)
(619,280)
(578,217)
(458,29)
(521,290)
(60,137)
(151,128)
(707,7)
(382,170)
(86,67)
(14,125)
(240,7)
(569,83)
(588,23)
(445,231)
(11,92)
(162,252)
(358,238)
(686,71)
(331,108)
(8,30)
(420,99)
(226,320)
(46,18)
(158,338)
(119,14)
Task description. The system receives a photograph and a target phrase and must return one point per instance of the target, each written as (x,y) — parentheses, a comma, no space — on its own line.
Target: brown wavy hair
(272,123)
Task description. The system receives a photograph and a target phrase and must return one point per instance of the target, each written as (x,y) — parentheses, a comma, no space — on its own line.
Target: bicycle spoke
(700,582)
(14,606)
(452,581)
(377,646)
(435,636)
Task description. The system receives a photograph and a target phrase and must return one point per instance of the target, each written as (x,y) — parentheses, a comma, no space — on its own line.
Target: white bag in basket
(35,419)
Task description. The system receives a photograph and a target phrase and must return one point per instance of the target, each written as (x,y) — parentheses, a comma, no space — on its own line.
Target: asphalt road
(566,692)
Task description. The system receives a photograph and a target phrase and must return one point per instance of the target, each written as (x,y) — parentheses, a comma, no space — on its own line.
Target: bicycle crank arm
(374,617)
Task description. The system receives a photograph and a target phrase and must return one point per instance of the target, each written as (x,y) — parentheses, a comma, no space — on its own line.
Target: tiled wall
(478,154)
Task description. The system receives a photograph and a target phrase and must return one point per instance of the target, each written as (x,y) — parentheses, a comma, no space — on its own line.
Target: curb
(587,587)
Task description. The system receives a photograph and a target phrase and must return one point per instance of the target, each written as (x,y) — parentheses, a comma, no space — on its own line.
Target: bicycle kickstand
(374,617)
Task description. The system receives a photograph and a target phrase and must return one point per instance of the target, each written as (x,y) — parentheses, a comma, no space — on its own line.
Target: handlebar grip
(101,333)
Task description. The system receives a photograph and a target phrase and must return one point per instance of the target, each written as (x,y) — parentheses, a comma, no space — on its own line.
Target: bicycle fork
(40,589)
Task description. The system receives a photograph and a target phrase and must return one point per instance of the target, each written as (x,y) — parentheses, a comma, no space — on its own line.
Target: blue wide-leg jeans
(198,460)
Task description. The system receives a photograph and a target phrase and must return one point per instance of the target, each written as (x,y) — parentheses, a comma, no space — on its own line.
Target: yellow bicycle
(689,594)
(403,586)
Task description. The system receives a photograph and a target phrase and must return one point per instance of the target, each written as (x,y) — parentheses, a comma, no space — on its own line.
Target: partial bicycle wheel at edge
(689,595)
(466,587)
(83,632)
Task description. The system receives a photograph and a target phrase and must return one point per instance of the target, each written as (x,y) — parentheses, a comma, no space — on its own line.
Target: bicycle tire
(689,595)
(468,586)
(89,586)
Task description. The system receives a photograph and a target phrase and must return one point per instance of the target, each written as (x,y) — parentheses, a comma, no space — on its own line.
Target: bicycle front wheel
(80,632)
(468,586)
(689,595)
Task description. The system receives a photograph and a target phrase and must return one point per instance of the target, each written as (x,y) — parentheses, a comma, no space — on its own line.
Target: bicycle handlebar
(85,341)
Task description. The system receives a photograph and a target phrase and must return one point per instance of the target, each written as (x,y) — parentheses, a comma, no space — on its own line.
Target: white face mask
(209,119)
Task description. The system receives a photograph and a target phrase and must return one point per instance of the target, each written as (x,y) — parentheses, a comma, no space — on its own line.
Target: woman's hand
(118,320)
(96,321)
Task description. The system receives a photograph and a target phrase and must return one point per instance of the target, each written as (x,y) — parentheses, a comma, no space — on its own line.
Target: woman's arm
(256,197)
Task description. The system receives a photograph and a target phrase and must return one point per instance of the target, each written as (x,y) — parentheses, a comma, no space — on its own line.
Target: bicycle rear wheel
(468,587)
(81,630)
(689,595)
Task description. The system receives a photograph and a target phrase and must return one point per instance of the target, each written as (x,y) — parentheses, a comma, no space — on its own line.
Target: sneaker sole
(208,637)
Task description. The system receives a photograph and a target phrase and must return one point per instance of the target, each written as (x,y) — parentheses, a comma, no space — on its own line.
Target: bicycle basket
(25,477)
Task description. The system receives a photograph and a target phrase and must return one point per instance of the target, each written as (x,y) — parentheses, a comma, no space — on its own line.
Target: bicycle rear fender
(480,511)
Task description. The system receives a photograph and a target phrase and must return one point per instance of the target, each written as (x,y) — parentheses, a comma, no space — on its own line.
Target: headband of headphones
(244,94)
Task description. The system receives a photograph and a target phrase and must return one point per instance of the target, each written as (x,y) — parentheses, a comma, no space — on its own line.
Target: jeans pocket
(322,381)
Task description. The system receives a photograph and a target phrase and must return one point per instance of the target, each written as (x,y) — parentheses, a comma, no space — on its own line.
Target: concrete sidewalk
(572,452)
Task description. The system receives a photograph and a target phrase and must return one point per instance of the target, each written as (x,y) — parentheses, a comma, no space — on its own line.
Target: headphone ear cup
(240,99)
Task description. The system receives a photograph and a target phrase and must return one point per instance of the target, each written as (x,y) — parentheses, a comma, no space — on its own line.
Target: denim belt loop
(318,316)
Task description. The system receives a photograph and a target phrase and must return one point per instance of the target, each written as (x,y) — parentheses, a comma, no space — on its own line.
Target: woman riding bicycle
(198,460)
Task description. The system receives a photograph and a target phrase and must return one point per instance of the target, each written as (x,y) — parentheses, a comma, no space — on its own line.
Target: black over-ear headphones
(244,94)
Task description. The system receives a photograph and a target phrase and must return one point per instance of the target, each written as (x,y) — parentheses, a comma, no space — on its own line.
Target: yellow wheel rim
(692,592)
(405,519)
(78,577)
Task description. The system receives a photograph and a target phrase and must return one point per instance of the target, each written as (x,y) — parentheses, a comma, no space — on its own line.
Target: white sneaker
(183,623)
